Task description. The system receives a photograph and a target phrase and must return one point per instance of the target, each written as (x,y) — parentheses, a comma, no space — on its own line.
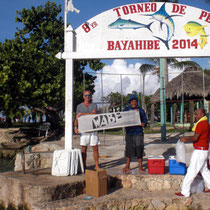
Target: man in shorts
(135,136)
(87,108)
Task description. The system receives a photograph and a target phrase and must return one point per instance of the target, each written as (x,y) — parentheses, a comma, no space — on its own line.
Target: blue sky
(88,9)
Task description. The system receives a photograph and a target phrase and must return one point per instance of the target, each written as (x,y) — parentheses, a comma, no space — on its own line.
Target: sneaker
(206,191)
(179,194)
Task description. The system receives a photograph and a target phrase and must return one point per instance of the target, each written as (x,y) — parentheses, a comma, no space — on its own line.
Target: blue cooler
(176,167)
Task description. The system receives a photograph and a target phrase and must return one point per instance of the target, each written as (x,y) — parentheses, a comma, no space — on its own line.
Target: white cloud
(130,77)
(119,76)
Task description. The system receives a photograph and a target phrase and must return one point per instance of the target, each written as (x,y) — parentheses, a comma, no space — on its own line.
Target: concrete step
(130,199)
(40,190)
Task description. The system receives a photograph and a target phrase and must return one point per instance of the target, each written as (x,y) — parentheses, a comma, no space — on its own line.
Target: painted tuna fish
(163,17)
(128,24)
(193,29)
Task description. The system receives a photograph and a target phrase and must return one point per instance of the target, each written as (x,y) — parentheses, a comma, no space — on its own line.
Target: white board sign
(151,29)
(88,123)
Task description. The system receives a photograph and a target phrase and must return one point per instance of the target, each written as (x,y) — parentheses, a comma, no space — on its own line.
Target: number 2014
(183,44)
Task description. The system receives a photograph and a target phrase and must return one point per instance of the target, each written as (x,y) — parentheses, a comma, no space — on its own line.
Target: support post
(69,90)
(171,113)
(181,112)
(162,99)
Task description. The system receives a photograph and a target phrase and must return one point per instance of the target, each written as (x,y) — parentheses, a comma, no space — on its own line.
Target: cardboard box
(156,164)
(96,182)
(176,167)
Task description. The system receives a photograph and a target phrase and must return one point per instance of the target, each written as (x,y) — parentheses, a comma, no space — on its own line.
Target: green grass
(116,131)
(119,131)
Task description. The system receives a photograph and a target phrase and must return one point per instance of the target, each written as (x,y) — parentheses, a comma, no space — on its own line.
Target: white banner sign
(148,29)
(88,123)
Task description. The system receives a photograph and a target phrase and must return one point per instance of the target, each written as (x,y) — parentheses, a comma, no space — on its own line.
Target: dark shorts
(134,145)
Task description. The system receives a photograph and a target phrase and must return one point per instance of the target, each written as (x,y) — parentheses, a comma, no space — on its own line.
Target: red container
(156,164)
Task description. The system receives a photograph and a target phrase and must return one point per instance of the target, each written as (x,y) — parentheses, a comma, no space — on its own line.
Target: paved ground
(112,159)
(112,150)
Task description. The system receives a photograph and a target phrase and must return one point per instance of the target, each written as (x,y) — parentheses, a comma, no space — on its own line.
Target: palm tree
(173,62)
(155,68)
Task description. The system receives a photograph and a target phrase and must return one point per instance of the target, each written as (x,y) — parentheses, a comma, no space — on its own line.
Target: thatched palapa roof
(192,88)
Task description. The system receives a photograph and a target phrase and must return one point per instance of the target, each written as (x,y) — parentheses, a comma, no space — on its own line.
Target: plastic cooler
(176,167)
(156,164)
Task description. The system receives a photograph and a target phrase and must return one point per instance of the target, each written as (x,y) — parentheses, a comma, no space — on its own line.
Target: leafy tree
(10,79)
(30,74)
(79,67)
(207,71)
(115,99)
(118,100)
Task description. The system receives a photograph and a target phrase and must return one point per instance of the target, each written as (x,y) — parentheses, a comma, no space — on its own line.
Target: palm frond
(144,68)
(185,64)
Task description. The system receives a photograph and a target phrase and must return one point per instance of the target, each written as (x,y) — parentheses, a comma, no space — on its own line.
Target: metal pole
(181,112)
(102,95)
(141,78)
(122,104)
(102,91)
(162,99)
(121,91)
(143,92)
(203,89)
(182,102)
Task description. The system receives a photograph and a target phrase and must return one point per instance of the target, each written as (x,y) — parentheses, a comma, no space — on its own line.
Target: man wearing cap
(135,136)
(198,162)
(87,108)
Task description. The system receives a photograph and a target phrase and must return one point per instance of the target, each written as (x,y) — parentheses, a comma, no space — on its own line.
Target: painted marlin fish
(163,17)
(194,29)
(128,24)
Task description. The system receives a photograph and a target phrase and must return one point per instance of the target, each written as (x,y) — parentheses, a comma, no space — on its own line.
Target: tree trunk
(8,122)
(52,116)
(191,111)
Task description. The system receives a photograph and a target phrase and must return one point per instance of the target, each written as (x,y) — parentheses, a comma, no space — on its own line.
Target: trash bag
(180,152)
(197,185)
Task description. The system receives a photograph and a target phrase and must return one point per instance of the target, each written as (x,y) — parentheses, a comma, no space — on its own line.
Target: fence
(182,91)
